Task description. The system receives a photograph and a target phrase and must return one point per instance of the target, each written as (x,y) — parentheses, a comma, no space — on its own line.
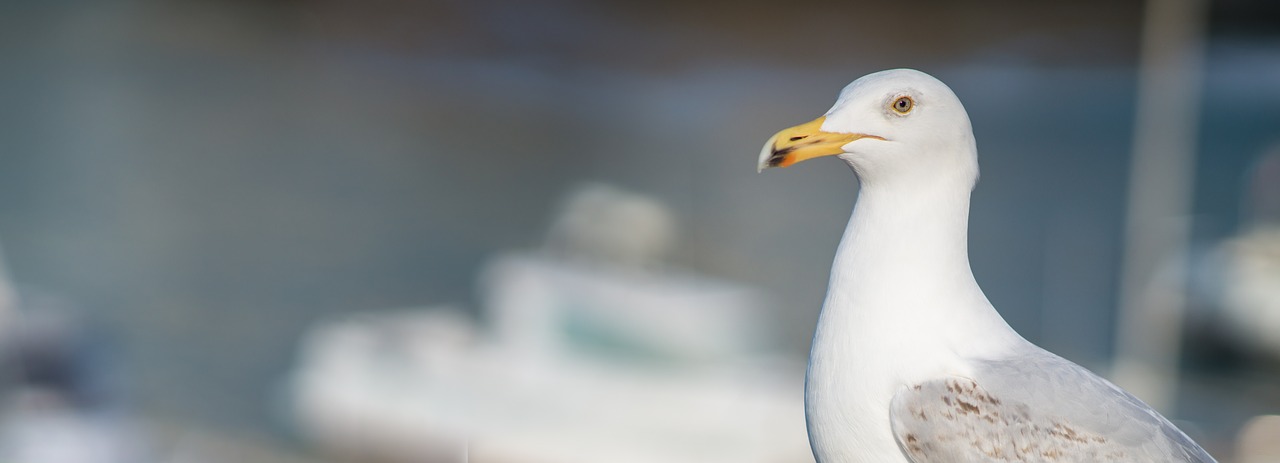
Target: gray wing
(1034,407)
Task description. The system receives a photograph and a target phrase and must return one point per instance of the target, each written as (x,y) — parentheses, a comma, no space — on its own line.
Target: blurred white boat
(1238,279)
(591,355)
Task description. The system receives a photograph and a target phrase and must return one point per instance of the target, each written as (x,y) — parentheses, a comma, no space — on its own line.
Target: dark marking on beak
(778,155)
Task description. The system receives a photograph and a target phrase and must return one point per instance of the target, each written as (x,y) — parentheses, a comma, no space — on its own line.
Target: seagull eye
(903,104)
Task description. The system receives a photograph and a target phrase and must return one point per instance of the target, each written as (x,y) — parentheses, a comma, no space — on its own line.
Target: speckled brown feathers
(990,418)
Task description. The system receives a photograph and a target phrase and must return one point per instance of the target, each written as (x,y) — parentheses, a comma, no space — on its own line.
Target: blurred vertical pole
(1157,226)
(8,302)
(10,319)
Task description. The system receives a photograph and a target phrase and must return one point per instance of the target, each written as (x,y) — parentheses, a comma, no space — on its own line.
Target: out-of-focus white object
(603,223)
(383,387)
(549,308)
(595,290)
(1249,264)
(49,409)
(386,385)
(39,426)
(594,352)
(1251,288)
(1259,440)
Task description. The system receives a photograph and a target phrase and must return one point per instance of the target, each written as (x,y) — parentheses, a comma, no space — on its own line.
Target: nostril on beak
(802,137)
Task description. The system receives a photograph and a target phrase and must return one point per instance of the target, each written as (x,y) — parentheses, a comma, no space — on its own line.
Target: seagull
(910,362)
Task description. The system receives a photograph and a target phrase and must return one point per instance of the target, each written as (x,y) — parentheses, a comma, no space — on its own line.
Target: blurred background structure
(393,231)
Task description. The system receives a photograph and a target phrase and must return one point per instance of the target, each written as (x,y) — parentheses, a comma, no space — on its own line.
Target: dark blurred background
(188,187)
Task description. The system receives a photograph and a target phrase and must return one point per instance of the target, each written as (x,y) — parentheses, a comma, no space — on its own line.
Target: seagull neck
(919,231)
(904,262)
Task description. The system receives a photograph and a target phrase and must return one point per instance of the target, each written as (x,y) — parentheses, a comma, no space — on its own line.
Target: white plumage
(910,362)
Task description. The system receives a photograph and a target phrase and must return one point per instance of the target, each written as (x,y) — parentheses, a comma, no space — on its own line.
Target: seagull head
(891,126)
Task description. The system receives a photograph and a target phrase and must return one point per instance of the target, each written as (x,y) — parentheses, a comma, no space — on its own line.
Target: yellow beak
(803,142)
